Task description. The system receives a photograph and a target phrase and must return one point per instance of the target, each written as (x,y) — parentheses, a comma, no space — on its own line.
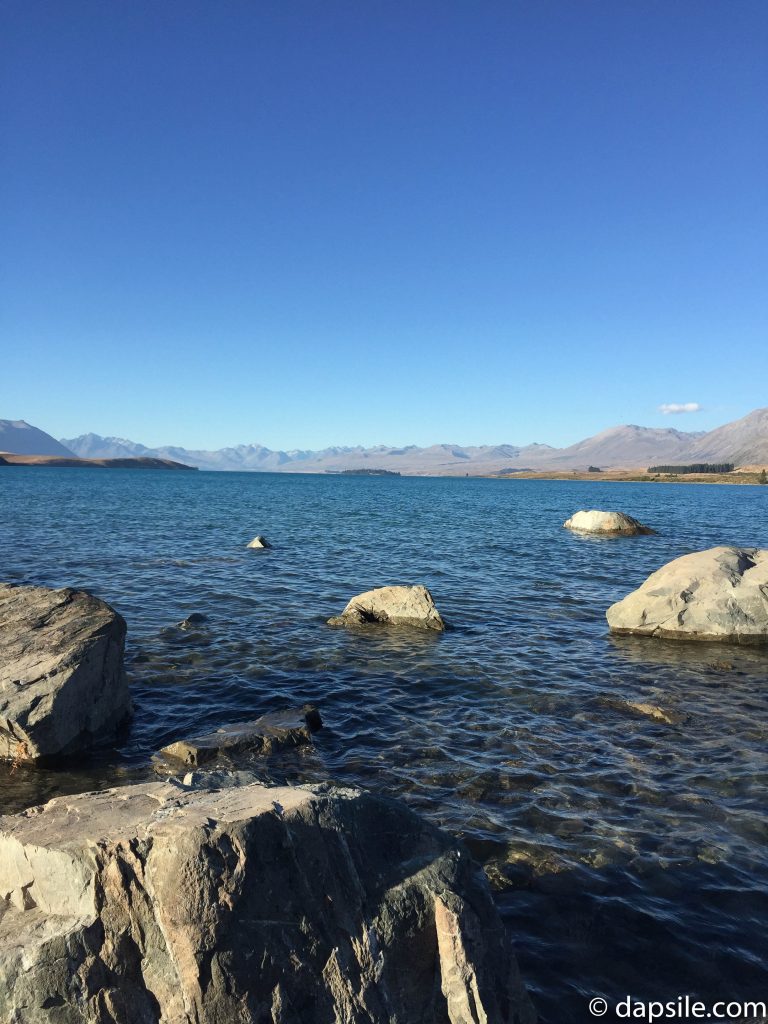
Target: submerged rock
(155,904)
(393,606)
(259,542)
(595,521)
(656,713)
(62,681)
(667,716)
(265,735)
(192,621)
(718,594)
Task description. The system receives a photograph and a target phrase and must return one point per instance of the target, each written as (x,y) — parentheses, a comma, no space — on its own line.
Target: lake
(628,856)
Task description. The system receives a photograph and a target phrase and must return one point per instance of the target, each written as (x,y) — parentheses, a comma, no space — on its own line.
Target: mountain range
(743,442)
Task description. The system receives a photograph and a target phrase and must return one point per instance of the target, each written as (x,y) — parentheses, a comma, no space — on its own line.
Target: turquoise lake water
(628,856)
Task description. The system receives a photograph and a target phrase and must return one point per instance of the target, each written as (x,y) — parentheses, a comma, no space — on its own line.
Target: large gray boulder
(718,594)
(62,682)
(392,606)
(160,904)
(616,524)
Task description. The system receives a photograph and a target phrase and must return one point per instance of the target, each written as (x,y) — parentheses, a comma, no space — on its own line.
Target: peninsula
(757,474)
(72,462)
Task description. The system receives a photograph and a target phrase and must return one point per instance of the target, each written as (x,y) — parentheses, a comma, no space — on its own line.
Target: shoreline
(72,462)
(739,477)
(747,475)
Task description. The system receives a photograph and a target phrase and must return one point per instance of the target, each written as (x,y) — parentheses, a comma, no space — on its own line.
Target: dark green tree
(698,467)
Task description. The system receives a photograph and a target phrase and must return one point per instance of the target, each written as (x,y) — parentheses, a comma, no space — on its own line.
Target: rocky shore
(207,897)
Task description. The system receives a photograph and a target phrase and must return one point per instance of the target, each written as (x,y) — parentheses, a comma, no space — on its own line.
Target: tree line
(696,467)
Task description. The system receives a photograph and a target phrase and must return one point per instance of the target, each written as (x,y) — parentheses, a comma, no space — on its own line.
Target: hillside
(72,462)
(24,439)
(742,442)
(628,445)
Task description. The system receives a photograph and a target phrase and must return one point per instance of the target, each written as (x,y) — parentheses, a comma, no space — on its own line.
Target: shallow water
(628,856)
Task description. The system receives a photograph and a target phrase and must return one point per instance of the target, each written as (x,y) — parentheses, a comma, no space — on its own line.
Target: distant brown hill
(11,459)
(628,445)
(742,442)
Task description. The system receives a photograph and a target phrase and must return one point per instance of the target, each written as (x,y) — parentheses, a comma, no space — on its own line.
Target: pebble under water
(628,856)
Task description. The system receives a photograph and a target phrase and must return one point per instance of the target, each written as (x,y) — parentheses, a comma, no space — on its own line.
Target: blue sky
(358,222)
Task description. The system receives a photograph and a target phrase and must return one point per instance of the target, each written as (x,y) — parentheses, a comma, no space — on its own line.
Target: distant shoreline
(362,472)
(750,475)
(64,462)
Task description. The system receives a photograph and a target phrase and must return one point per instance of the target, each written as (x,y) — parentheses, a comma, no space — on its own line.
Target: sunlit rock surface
(250,905)
(718,594)
(62,682)
(392,606)
(595,521)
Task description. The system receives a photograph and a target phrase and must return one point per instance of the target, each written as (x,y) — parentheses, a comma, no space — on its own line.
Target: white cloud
(676,407)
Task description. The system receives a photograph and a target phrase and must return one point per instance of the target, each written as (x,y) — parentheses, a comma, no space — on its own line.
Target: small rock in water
(614,523)
(266,735)
(195,619)
(259,542)
(655,712)
(391,606)
(636,707)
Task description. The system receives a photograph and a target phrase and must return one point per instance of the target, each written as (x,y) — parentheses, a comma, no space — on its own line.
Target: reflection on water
(628,853)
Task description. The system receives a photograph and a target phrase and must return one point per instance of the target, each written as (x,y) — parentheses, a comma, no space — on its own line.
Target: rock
(635,707)
(259,542)
(718,594)
(615,523)
(655,712)
(191,621)
(721,666)
(393,606)
(62,681)
(154,904)
(266,735)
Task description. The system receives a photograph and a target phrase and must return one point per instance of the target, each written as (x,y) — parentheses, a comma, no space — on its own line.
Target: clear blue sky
(357,222)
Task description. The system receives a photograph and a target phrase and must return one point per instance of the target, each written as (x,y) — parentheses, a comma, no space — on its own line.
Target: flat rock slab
(62,681)
(155,904)
(391,606)
(718,594)
(610,523)
(265,735)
